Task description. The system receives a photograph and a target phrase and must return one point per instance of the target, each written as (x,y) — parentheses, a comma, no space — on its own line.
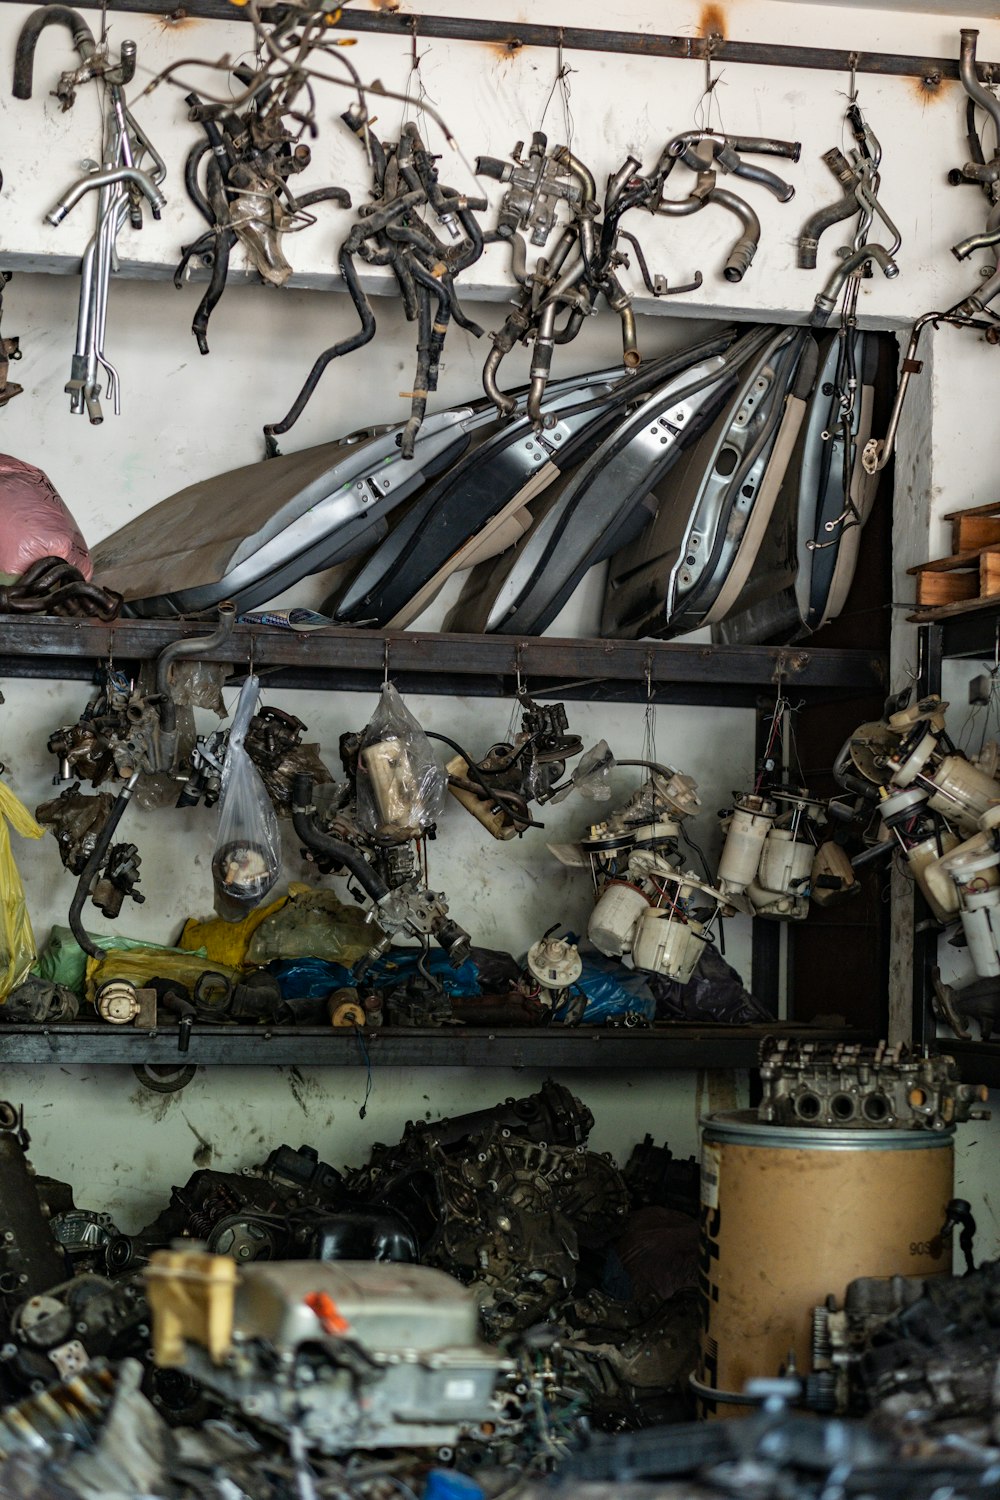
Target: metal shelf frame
(611,671)
(471,665)
(513,35)
(974,635)
(659,1048)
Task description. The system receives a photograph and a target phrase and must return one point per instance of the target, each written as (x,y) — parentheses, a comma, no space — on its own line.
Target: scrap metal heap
(476,1289)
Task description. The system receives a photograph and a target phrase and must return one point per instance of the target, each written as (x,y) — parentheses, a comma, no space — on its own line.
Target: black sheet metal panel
(978,1062)
(669,1046)
(482,482)
(251,532)
(794,588)
(974,634)
(489,479)
(484,665)
(515,35)
(666,581)
(604,497)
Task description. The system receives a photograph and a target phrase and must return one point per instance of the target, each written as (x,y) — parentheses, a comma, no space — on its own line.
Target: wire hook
(385,662)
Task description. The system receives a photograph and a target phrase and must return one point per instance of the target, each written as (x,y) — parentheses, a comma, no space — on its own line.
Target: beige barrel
(790,1214)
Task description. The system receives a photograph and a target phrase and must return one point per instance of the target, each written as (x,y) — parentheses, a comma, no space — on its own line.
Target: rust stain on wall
(931,87)
(506,49)
(178,20)
(712,22)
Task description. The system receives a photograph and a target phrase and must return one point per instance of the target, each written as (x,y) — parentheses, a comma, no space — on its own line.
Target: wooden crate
(978,526)
(974,574)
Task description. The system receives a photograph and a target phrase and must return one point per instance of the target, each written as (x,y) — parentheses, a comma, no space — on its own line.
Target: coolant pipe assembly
(121,183)
(318,842)
(92,868)
(184,650)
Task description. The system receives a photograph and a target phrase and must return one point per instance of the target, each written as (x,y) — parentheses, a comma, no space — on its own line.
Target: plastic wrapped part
(198,684)
(247,858)
(145,962)
(75,820)
(225,942)
(39,1001)
(715,992)
(306,977)
(17,941)
(35,521)
(591,775)
(63,962)
(312,923)
(659,1252)
(401,788)
(612,992)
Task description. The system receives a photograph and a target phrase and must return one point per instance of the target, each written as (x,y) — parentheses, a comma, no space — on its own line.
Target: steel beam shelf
(513,35)
(973,634)
(470,665)
(662,1047)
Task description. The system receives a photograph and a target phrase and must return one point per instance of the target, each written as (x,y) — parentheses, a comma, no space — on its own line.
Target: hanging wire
(416,77)
(782,706)
(359,1037)
(649,718)
(561,82)
(703,109)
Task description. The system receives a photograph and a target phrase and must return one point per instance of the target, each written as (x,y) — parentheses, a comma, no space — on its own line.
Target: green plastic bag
(63,961)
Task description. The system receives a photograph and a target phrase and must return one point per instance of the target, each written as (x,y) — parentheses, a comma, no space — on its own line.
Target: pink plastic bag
(35,522)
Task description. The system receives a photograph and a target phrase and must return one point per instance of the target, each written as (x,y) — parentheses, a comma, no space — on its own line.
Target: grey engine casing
(410,1372)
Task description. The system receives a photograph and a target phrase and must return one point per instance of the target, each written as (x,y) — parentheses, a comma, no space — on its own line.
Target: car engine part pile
(474,1293)
(902,1403)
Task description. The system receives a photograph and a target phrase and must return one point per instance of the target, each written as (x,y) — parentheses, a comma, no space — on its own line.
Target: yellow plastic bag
(17,941)
(140,965)
(225,942)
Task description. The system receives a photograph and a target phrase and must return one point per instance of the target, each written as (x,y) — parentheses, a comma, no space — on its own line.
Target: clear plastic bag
(17,941)
(401,787)
(312,924)
(247,858)
(591,776)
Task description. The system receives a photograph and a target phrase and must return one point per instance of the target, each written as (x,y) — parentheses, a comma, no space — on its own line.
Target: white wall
(185,417)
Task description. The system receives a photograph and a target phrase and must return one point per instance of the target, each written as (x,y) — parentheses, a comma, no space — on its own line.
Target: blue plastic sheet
(304,978)
(610,989)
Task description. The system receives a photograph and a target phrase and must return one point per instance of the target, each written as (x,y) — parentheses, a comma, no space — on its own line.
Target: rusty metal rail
(514,35)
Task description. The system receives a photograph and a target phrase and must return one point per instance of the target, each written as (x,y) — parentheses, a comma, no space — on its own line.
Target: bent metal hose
(48,15)
(93,865)
(304,823)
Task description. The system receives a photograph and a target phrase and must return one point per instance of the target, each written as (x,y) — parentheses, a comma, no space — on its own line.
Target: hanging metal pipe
(970,80)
